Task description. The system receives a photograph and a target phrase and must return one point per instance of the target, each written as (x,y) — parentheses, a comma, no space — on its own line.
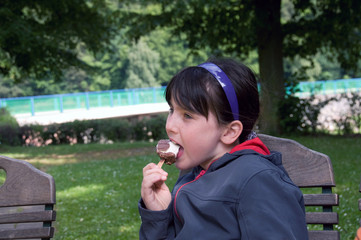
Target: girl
(237,188)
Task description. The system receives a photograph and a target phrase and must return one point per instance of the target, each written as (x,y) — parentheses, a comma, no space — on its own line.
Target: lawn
(98,186)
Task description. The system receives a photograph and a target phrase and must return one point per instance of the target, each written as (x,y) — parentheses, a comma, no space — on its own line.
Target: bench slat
(323,235)
(43,216)
(321,199)
(46,232)
(321,217)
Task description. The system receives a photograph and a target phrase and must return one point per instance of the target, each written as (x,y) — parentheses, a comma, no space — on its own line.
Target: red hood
(254,144)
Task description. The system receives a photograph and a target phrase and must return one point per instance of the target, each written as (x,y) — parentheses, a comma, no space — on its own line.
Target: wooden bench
(310,169)
(27,198)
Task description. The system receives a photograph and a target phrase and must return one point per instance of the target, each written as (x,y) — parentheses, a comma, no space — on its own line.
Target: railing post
(87,100)
(154,96)
(119,99)
(111,99)
(55,104)
(136,97)
(99,100)
(130,97)
(78,102)
(61,104)
(32,106)
(346,86)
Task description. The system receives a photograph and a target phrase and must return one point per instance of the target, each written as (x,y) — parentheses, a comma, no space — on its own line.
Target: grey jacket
(243,195)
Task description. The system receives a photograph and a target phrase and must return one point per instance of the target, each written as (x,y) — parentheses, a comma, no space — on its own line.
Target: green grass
(98,186)
(98,200)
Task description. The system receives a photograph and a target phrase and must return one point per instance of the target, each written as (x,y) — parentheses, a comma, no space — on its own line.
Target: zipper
(175,197)
(200,175)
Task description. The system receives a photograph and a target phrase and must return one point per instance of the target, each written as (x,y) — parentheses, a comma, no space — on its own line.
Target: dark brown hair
(196,90)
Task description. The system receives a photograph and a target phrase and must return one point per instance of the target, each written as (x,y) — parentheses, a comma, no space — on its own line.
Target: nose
(171,126)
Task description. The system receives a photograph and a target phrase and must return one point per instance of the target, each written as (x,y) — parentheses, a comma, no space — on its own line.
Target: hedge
(86,131)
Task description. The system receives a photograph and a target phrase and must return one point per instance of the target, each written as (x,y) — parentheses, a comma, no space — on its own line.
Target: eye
(171,110)
(187,116)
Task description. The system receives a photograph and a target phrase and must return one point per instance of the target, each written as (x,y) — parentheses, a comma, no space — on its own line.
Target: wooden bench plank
(321,199)
(43,216)
(25,184)
(323,235)
(45,232)
(307,168)
(321,218)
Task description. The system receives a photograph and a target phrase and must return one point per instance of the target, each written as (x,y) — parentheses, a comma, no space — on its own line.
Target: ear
(232,132)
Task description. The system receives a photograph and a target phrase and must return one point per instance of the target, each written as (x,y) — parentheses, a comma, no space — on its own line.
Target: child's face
(199,138)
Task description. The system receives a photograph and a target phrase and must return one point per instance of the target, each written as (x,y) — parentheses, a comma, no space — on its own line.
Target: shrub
(114,129)
(291,114)
(32,135)
(9,129)
(341,114)
(100,130)
(156,127)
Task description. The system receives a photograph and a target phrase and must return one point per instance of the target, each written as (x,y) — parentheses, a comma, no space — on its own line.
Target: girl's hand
(155,193)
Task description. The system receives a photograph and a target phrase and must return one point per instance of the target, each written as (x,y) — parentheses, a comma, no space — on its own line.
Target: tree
(150,62)
(240,26)
(42,38)
(143,65)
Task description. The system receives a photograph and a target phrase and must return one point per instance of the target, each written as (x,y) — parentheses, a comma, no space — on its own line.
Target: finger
(153,168)
(149,166)
(153,176)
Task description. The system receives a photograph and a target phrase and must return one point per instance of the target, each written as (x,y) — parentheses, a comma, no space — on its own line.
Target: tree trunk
(270,63)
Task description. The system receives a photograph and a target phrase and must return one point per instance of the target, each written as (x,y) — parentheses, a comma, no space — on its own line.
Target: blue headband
(226,85)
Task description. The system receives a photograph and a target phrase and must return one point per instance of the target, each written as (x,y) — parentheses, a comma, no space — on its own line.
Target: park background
(94,47)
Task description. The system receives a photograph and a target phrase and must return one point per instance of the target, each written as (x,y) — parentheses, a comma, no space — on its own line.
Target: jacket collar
(254,144)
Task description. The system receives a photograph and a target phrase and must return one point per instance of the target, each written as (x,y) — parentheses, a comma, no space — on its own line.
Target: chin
(181,167)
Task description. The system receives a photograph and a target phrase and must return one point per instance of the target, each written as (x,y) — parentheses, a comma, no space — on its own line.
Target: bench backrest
(310,169)
(27,198)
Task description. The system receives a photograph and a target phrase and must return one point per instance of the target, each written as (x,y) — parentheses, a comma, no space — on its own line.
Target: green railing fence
(329,87)
(124,97)
(84,100)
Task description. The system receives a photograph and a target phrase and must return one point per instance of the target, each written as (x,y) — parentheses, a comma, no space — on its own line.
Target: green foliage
(41,38)
(174,54)
(9,128)
(292,109)
(5,117)
(291,114)
(143,65)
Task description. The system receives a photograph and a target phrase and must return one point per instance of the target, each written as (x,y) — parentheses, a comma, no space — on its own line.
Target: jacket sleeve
(271,207)
(156,224)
